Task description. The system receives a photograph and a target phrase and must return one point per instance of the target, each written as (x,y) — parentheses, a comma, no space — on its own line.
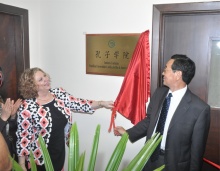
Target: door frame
(159,11)
(22,51)
(157,56)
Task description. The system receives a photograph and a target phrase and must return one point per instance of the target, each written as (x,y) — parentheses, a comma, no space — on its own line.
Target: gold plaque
(109,54)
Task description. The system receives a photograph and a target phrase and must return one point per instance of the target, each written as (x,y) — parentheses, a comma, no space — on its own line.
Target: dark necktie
(161,123)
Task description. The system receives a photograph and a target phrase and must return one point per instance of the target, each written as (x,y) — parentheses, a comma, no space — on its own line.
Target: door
(192,29)
(14,48)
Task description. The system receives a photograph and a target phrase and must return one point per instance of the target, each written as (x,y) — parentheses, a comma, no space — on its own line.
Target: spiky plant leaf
(80,164)
(142,157)
(92,161)
(117,162)
(15,165)
(160,168)
(47,161)
(73,148)
(33,164)
(146,157)
(117,154)
(141,153)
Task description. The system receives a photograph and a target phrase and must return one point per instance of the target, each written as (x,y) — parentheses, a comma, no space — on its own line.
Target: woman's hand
(101,104)
(23,167)
(6,109)
(107,104)
(21,161)
(10,108)
(15,107)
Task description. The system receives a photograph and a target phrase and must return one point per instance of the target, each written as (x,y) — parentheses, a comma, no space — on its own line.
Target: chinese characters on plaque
(109,54)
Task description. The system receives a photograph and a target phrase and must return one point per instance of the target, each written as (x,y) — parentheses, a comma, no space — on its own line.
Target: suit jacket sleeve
(199,138)
(138,131)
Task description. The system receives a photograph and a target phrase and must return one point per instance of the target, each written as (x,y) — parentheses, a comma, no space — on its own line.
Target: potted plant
(76,161)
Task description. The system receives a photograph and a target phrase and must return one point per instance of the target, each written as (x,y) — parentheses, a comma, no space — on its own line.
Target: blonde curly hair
(27,86)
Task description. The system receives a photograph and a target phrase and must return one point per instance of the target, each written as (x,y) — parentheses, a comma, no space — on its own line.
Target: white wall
(57,44)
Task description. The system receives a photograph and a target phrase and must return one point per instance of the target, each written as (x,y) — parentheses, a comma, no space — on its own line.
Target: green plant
(93,155)
(46,155)
(33,164)
(15,165)
(142,157)
(76,162)
(117,155)
(73,148)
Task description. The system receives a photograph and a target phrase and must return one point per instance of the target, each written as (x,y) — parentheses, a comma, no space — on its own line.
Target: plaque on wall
(109,54)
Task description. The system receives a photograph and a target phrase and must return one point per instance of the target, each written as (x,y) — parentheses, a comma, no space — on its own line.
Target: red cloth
(135,90)
(211,163)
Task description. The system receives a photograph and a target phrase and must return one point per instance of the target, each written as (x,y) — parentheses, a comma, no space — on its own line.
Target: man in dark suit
(186,124)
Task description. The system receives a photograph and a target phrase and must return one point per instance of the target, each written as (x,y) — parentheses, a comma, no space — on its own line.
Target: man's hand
(119,131)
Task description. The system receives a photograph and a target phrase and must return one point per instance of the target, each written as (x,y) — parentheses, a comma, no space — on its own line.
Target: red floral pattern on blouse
(34,120)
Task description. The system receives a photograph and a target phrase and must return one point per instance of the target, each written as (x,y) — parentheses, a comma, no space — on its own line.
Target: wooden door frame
(23,14)
(22,52)
(159,11)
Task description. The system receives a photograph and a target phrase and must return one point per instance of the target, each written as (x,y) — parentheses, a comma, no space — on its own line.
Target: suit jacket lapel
(181,109)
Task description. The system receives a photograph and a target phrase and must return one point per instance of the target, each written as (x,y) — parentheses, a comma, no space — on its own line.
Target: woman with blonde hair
(47,112)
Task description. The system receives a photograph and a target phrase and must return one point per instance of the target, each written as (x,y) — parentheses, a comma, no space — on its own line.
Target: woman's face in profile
(42,81)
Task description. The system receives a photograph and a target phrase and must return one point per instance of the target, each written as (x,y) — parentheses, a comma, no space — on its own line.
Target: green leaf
(80,163)
(33,164)
(92,161)
(15,165)
(118,153)
(139,155)
(76,162)
(46,156)
(160,168)
(144,154)
(73,148)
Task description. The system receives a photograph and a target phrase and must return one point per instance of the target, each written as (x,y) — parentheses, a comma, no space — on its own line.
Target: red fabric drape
(211,163)
(135,90)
